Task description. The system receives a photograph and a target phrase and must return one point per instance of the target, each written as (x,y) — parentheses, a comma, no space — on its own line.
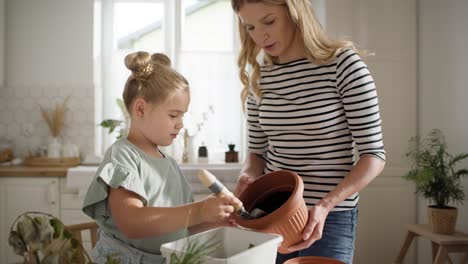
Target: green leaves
(46,231)
(194,251)
(112,259)
(433,169)
(112,124)
(42,238)
(28,230)
(58,227)
(16,241)
(116,125)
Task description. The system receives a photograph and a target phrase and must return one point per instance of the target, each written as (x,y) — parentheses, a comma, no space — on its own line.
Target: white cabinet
(70,210)
(23,194)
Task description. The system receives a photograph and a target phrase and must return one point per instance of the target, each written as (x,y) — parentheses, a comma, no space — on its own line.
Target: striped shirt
(311,118)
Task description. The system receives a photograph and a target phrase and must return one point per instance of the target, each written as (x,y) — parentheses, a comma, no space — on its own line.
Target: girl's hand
(218,209)
(314,228)
(242,183)
(230,221)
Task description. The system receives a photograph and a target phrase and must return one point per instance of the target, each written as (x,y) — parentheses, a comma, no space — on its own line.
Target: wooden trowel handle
(217,187)
(212,183)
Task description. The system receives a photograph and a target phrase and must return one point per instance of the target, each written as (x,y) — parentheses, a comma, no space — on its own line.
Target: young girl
(309,103)
(139,197)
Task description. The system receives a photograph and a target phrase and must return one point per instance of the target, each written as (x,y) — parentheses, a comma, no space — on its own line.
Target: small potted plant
(437,179)
(42,238)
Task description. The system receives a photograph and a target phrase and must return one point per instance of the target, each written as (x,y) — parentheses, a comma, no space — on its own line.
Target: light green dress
(157,181)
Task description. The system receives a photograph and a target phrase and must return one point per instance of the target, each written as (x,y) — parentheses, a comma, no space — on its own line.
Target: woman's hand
(218,209)
(242,183)
(314,228)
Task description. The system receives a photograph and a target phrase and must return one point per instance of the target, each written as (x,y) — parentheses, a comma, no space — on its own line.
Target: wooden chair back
(76,231)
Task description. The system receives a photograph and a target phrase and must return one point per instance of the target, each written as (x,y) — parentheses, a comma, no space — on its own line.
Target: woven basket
(442,220)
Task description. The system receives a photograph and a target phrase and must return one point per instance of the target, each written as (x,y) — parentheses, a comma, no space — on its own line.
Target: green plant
(42,238)
(118,125)
(194,251)
(433,169)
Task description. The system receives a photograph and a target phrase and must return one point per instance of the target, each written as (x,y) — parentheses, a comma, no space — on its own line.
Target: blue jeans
(124,253)
(337,240)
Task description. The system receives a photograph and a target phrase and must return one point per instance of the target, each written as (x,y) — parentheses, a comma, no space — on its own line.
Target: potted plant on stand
(437,179)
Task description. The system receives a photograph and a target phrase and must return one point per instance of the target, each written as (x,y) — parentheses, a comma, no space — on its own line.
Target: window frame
(104,46)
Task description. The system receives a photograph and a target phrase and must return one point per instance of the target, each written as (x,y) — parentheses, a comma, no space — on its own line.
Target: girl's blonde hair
(152,78)
(319,48)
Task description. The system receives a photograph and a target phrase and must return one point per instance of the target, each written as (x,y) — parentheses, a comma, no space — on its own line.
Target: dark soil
(273,201)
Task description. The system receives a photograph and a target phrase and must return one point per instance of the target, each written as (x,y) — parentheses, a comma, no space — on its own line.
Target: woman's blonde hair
(152,78)
(319,48)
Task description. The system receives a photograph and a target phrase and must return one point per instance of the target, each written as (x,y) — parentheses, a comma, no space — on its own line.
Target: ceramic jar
(53,149)
(278,193)
(188,155)
(70,150)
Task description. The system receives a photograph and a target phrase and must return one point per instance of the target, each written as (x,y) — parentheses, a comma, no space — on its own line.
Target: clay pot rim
(303,260)
(282,211)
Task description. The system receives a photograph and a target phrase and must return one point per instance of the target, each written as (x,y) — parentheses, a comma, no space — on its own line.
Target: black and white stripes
(311,117)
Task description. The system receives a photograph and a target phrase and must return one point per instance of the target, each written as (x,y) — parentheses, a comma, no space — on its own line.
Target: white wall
(320,8)
(443,86)
(49,42)
(2,40)
(49,55)
(388,29)
(420,69)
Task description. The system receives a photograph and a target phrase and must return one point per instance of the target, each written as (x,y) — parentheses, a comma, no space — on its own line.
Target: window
(200,37)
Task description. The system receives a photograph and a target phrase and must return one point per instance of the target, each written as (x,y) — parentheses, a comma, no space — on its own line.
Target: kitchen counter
(79,177)
(57,171)
(33,171)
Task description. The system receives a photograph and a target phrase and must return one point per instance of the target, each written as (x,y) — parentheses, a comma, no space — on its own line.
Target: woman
(309,103)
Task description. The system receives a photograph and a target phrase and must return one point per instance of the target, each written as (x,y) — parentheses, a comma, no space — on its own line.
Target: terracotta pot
(278,193)
(442,220)
(313,260)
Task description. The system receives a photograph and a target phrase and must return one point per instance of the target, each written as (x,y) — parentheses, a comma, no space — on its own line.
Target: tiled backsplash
(21,120)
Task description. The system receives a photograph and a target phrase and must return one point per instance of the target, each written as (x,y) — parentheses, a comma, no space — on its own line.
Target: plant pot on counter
(442,220)
(279,194)
(313,260)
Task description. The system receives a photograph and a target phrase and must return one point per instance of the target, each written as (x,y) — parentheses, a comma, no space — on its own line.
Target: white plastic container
(234,248)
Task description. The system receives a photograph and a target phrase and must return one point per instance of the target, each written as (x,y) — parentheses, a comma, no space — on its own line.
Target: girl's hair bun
(152,78)
(139,63)
(161,59)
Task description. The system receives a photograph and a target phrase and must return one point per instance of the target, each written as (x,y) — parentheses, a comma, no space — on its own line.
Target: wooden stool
(441,244)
